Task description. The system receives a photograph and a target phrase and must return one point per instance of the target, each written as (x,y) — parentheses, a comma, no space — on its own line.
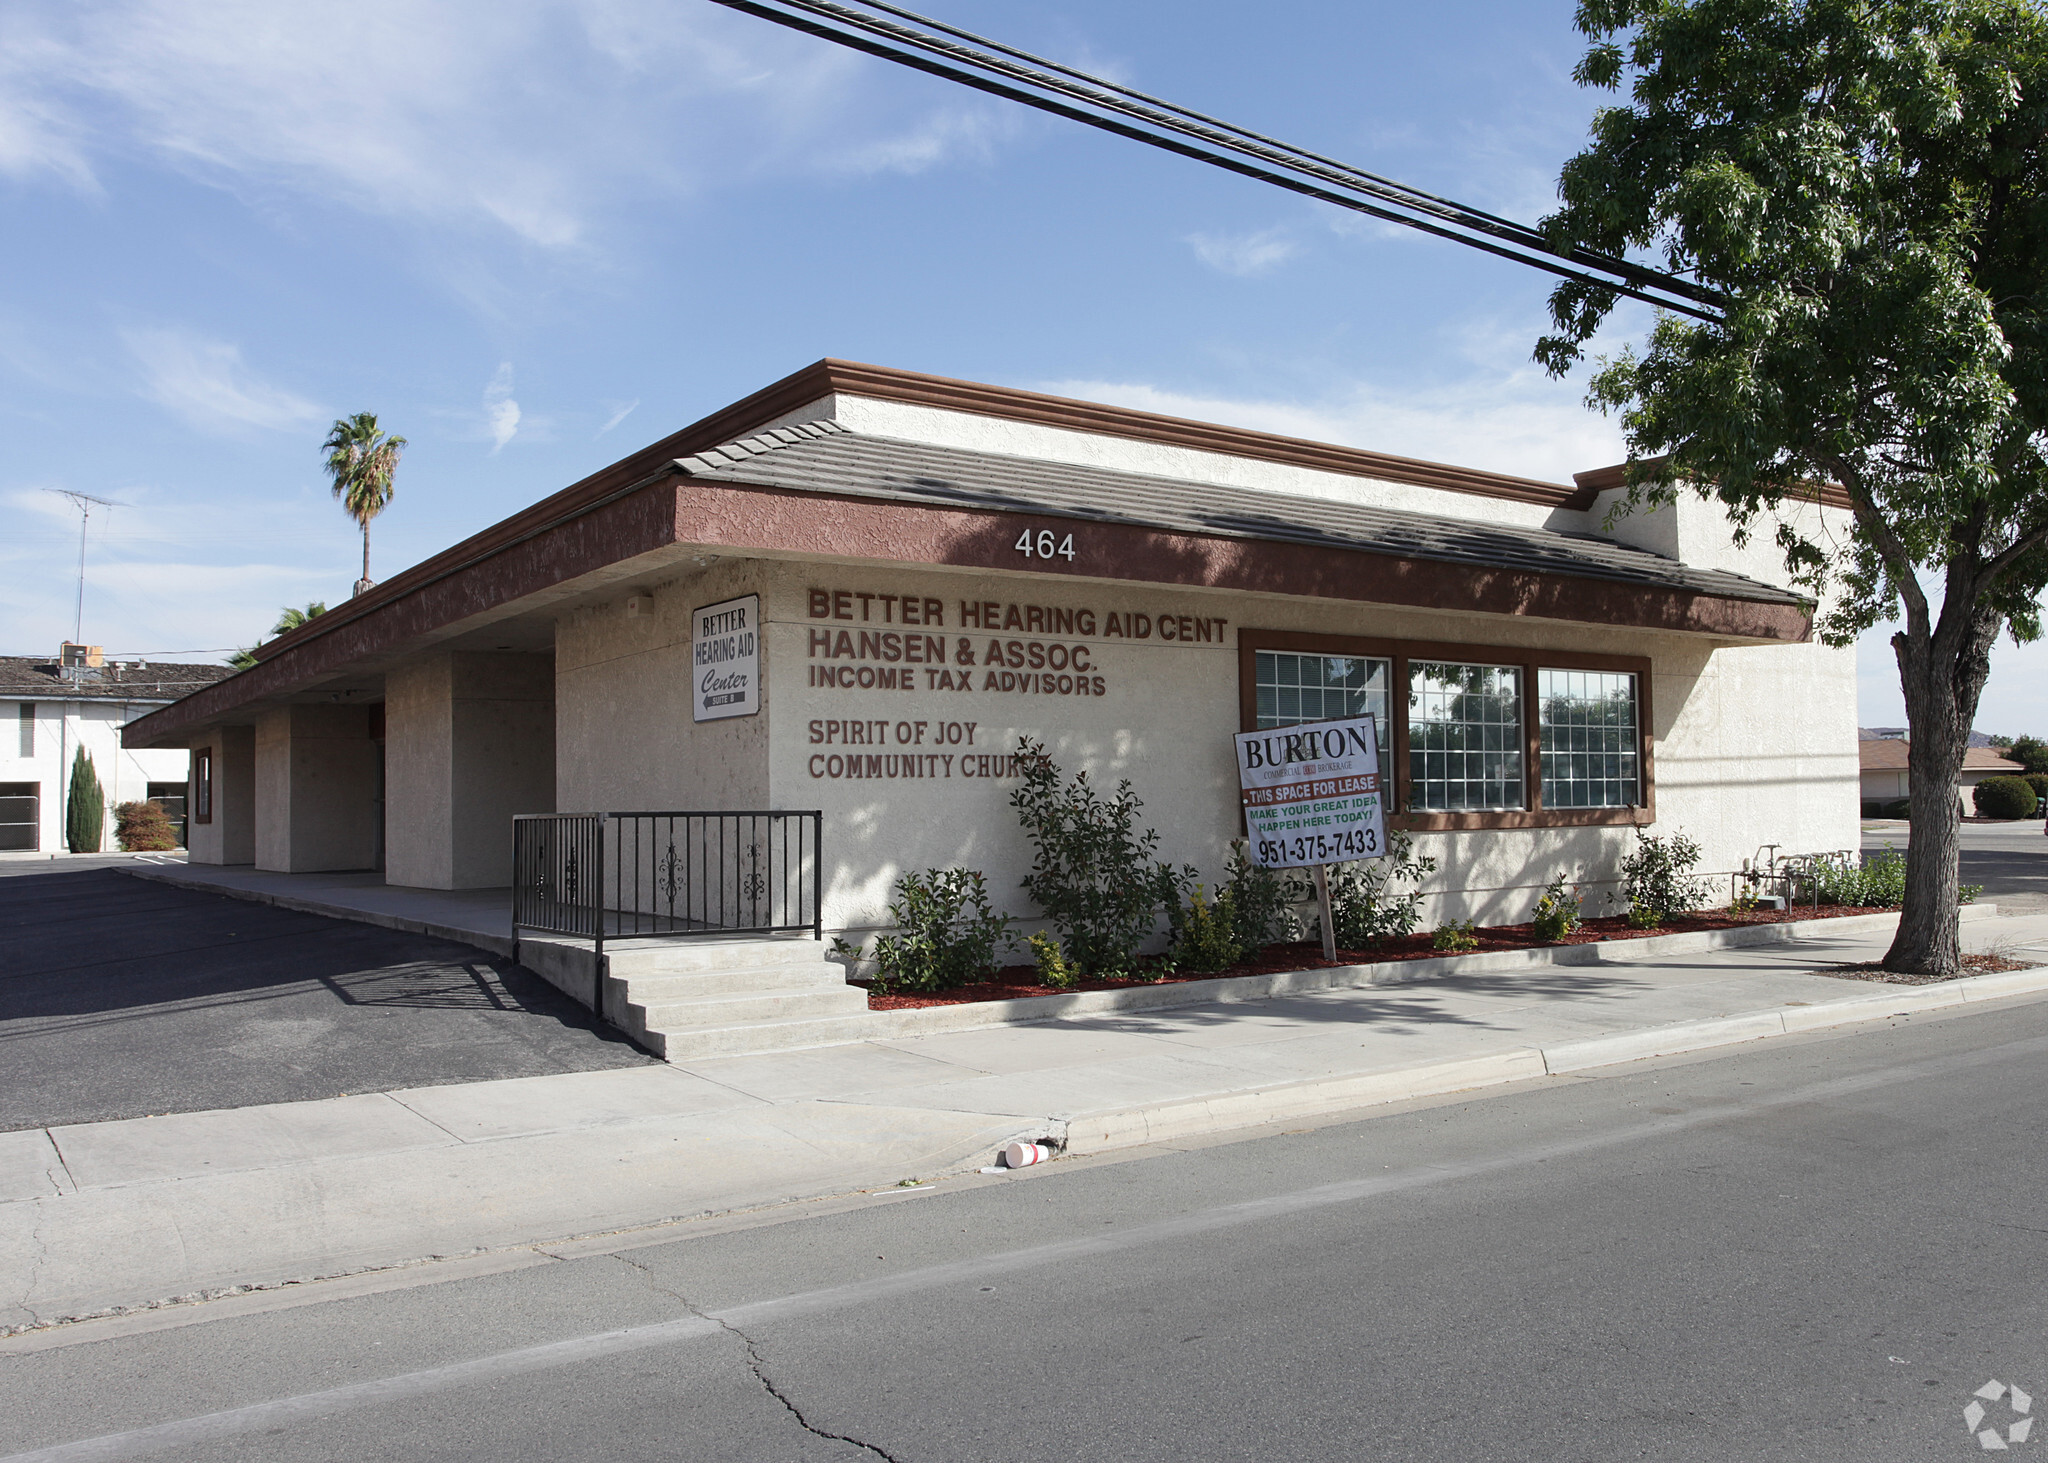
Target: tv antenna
(85,503)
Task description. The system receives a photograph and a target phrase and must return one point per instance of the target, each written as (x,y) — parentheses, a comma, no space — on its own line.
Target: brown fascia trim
(885,383)
(1606,479)
(690,512)
(725,515)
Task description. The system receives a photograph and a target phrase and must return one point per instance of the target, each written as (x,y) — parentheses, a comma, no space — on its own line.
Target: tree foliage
(1863,187)
(2030,752)
(85,809)
(288,619)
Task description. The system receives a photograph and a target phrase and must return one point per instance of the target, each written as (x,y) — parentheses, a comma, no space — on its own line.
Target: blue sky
(535,236)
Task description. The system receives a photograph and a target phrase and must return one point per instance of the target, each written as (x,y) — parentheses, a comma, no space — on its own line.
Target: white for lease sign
(1312,793)
(725,658)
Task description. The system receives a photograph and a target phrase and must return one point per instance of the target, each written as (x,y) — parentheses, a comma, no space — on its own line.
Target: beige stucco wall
(625,739)
(230,838)
(1755,745)
(316,775)
(469,742)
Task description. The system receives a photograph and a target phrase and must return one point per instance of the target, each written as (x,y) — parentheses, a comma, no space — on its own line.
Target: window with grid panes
(1292,688)
(1464,737)
(1591,748)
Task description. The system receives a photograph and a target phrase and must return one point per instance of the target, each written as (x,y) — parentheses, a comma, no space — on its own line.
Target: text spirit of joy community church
(936,569)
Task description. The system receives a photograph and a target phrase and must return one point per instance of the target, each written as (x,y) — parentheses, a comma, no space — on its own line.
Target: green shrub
(1261,901)
(144,828)
(946,934)
(1558,912)
(85,811)
(1455,934)
(1899,808)
(1092,871)
(2038,781)
(1656,880)
(1366,911)
(1878,882)
(2004,797)
(1206,934)
(1053,969)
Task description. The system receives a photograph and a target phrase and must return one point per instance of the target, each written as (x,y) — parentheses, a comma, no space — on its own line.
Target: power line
(1022,77)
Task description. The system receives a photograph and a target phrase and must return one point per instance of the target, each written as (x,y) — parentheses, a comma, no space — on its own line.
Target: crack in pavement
(755,1364)
(35,1271)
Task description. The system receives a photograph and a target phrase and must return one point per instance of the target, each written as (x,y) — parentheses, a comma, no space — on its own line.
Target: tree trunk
(1942,674)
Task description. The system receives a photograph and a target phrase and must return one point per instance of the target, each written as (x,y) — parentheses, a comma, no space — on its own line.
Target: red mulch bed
(1017,981)
(1871,970)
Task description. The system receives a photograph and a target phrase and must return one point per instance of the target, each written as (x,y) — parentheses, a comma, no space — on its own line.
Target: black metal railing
(613,876)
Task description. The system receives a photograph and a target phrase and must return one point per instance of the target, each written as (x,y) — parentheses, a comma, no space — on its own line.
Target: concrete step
(819,975)
(732,1010)
(685,1045)
(685,954)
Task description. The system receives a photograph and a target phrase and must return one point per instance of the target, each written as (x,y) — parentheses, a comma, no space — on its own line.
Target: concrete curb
(496,944)
(1131,1127)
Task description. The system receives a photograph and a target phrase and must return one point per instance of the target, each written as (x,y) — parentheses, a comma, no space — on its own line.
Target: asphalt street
(1818,1248)
(2009,859)
(121,997)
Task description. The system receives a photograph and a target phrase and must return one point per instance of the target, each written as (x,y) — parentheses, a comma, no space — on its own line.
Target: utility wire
(1221,144)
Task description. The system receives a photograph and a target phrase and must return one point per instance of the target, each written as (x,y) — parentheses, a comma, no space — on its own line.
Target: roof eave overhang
(675,511)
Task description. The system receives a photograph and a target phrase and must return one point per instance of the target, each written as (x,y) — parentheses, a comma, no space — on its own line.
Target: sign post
(1311,798)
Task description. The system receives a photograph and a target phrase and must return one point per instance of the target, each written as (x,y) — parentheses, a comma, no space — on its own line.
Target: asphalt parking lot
(2009,859)
(120,997)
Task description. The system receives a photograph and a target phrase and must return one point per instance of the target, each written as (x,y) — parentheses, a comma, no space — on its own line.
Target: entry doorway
(21,816)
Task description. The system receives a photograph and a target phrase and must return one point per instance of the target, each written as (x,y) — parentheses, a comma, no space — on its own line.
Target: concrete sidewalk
(101,1217)
(480,917)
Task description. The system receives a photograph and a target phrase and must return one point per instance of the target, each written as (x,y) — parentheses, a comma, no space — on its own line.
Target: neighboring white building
(49,710)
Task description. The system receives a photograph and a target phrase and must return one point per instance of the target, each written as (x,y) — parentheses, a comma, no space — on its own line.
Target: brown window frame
(1533,814)
(201,809)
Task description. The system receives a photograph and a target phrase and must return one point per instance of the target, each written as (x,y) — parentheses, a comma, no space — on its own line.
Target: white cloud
(36,136)
(620,411)
(501,409)
(204,381)
(1517,422)
(955,134)
(143,558)
(1245,255)
(527,116)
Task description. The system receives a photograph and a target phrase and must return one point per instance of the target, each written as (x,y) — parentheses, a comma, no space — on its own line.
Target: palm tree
(289,618)
(361,460)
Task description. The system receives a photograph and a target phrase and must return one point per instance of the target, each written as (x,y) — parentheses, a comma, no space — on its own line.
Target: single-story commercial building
(77,698)
(857,590)
(1882,771)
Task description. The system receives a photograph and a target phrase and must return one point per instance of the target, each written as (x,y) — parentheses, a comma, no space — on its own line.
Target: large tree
(1863,186)
(362,462)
